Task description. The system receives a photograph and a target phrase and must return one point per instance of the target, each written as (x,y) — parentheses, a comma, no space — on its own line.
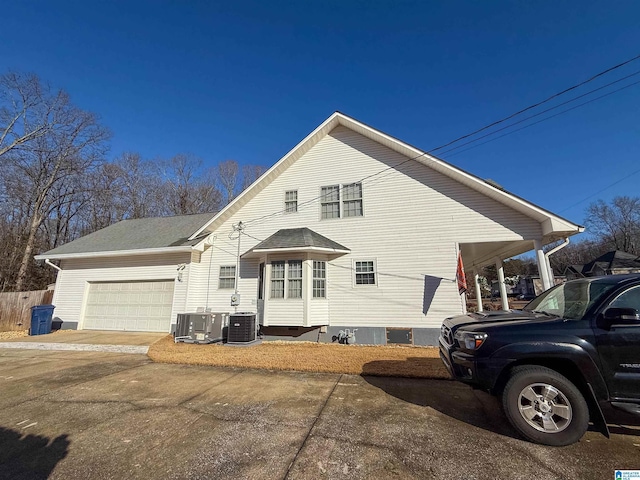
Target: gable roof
(553,226)
(613,260)
(298,239)
(135,234)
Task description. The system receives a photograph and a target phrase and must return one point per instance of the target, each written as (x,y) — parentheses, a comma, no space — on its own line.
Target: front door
(619,349)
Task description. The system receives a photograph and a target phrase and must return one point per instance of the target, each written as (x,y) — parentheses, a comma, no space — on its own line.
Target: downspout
(48,262)
(552,251)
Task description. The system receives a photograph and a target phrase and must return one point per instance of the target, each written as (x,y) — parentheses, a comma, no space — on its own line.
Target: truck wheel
(544,406)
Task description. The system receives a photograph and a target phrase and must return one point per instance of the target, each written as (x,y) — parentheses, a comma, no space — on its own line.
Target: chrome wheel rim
(545,408)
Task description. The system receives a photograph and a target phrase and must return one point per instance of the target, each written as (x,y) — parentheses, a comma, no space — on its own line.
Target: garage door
(134,306)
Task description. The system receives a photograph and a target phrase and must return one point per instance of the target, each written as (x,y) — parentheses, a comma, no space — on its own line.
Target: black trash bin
(41,316)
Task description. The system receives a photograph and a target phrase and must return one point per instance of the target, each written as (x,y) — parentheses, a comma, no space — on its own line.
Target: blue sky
(248,80)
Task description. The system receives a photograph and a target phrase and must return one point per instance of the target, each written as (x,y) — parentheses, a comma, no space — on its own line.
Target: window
(294,279)
(227,278)
(291,201)
(319,279)
(628,299)
(277,280)
(352,200)
(365,272)
(330,202)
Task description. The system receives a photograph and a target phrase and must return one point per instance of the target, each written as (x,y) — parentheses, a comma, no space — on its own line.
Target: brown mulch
(13,334)
(386,361)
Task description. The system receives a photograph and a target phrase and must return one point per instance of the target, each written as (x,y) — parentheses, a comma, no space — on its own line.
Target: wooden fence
(15,308)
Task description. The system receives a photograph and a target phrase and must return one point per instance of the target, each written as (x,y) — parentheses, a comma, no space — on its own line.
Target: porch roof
(297,240)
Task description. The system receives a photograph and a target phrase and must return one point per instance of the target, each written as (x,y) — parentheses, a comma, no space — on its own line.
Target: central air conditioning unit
(204,327)
(242,328)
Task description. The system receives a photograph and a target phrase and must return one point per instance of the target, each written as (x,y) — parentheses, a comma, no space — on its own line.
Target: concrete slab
(95,337)
(73,415)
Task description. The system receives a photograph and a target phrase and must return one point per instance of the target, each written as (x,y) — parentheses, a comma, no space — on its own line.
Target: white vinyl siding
(227,277)
(130,306)
(412,243)
(73,282)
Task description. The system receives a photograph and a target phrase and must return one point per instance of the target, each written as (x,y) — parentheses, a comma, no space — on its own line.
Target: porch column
(502,285)
(476,281)
(543,266)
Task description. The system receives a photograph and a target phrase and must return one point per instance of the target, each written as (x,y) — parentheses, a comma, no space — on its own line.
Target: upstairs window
(330,202)
(291,201)
(352,200)
(227,277)
(365,272)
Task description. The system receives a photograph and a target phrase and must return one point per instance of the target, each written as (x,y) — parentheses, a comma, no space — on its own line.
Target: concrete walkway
(87,340)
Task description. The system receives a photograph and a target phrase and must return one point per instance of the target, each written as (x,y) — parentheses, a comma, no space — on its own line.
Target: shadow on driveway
(31,457)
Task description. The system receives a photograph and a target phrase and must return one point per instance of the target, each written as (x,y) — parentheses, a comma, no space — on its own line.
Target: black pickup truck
(570,354)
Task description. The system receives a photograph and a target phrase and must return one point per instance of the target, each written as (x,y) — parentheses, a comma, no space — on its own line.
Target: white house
(352,229)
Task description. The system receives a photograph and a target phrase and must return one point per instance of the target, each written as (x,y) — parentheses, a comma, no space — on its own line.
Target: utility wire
(555,95)
(394,167)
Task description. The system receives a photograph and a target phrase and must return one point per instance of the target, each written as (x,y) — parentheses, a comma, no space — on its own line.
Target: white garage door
(134,306)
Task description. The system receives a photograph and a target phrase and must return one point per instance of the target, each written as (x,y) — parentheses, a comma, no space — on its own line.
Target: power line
(555,95)
(395,167)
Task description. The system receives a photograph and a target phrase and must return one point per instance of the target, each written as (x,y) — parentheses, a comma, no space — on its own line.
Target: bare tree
(67,143)
(616,224)
(250,173)
(188,188)
(228,178)
(26,110)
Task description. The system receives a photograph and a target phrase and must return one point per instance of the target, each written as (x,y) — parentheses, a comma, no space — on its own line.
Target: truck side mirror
(618,316)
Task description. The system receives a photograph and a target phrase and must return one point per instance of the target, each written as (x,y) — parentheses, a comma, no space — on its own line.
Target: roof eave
(309,249)
(114,253)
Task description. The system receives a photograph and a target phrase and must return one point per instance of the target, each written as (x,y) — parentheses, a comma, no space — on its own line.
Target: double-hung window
(330,201)
(319,279)
(227,277)
(291,201)
(365,272)
(277,279)
(352,200)
(338,201)
(294,279)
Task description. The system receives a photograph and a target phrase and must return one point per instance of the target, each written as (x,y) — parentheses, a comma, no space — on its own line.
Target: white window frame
(341,200)
(290,205)
(286,279)
(321,280)
(355,272)
(227,277)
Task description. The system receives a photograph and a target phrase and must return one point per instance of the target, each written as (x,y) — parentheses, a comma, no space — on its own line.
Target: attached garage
(143,306)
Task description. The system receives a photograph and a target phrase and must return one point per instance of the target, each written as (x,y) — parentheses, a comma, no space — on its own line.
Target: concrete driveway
(79,415)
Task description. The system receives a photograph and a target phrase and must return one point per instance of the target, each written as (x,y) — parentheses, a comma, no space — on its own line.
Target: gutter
(115,253)
(48,262)
(552,251)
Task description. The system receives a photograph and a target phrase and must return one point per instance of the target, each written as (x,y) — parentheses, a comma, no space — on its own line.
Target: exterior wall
(73,281)
(414,219)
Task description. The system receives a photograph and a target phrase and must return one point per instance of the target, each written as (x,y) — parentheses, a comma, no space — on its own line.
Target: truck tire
(544,406)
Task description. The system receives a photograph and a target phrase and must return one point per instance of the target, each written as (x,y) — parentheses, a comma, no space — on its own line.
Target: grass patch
(384,361)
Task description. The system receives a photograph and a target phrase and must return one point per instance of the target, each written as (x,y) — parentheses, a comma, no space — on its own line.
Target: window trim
(289,279)
(282,279)
(285,279)
(227,277)
(319,279)
(295,202)
(341,200)
(355,273)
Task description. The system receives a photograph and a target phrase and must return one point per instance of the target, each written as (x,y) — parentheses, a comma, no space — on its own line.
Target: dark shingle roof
(297,237)
(613,260)
(137,234)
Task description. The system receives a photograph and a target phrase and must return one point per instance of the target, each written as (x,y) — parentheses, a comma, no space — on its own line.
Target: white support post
(543,265)
(502,285)
(476,281)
